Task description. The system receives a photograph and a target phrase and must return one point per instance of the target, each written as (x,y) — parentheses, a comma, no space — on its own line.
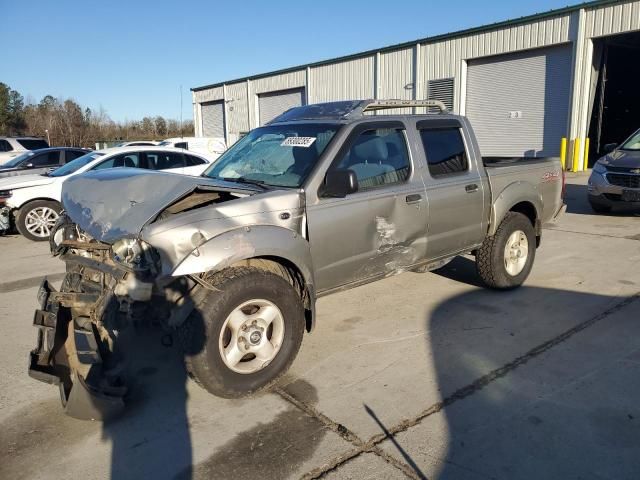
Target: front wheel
(505,259)
(36,220)
(241,338)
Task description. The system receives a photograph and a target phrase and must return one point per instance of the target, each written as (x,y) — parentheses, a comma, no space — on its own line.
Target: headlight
(599,168)
(134,254)
(129,252)
(4,195)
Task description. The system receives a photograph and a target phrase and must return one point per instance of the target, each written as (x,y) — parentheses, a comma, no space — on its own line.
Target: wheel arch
(518,197)
(272,248)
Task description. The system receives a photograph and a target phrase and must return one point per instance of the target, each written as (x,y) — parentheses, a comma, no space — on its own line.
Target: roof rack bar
(389,104)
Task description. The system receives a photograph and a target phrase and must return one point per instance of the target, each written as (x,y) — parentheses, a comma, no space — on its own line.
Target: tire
(204,341)
(26,222)
(494,266)
(599,208)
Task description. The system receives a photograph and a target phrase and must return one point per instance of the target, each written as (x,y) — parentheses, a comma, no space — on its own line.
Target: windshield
(15,161)
(276,155)
(633,143)
(75,165)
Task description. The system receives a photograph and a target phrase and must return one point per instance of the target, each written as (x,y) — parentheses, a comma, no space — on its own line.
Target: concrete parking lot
(417,376)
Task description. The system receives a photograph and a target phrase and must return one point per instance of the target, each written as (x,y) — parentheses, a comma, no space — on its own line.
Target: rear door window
(48,159)
(445,151)
(32,144)
(130,160)
(5,146)
(72,155)
(164,160)
(192,161)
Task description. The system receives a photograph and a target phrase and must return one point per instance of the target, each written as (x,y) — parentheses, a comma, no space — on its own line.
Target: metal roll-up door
(213,119)
(272,104)
(519,103)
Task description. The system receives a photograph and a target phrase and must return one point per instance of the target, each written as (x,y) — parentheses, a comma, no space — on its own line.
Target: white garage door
(212,119)
(273,104)
(519,103)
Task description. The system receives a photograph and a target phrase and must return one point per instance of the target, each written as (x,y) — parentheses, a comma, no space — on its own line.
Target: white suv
(13,146)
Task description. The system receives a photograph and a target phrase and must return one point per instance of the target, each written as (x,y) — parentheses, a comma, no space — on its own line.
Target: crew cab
(324,198)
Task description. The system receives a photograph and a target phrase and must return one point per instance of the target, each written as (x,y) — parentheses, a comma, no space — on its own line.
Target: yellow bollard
(563,153)
(585,165)
(576,154)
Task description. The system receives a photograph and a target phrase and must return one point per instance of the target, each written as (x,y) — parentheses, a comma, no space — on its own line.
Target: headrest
(371,150)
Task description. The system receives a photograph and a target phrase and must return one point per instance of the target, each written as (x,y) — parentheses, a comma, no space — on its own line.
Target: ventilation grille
(441,89)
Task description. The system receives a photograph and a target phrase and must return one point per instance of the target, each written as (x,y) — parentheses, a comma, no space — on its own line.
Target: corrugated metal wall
(389,74)
(444,59)
(612,19)
(342,80)
(237,113)
(395,76)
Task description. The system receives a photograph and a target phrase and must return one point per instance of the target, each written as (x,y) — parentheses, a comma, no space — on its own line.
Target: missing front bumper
(68,354)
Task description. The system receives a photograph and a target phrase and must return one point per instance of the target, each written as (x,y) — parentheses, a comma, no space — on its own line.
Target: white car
(212,147)
(13,146)
(34,200)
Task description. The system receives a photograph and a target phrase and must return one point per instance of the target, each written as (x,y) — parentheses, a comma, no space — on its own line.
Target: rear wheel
(505,259)
(243,337)
(36,220)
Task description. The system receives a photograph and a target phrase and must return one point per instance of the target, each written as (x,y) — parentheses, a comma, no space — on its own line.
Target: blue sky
(131,57)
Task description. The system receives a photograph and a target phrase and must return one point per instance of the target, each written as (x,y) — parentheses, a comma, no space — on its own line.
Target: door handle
(413,198)
(471,188)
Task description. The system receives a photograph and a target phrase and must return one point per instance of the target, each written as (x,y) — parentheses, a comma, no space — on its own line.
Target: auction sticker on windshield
(305,142)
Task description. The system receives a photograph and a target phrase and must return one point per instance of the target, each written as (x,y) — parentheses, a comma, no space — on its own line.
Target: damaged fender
(252,242)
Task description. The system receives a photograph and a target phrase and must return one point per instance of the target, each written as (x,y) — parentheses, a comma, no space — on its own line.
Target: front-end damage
(122,269)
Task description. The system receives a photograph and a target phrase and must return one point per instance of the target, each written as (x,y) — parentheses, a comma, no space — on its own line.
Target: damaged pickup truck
(324,198)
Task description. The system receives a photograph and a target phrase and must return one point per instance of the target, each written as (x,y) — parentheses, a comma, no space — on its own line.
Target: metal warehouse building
(524,83)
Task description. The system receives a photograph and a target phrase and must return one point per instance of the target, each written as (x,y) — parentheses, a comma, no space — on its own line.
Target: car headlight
(4,195)
(599,168)
(134,254)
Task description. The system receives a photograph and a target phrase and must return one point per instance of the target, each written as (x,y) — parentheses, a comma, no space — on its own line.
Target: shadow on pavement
(535,404)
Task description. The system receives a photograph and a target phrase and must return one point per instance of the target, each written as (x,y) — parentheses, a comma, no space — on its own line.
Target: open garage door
(614,101)
(273,104)
(519,103)
(212,119)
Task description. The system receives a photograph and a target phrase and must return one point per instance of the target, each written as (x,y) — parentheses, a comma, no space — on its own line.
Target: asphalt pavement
(420,375)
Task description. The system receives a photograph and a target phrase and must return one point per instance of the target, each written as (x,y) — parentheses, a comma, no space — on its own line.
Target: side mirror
(609,147)
(340,183)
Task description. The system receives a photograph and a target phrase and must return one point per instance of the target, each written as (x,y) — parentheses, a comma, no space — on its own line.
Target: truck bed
(544,174)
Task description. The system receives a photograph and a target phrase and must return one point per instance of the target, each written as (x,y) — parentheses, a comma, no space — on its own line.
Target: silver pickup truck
(324,198)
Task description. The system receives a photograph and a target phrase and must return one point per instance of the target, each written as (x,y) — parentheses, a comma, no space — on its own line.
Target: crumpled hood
(622,159)
(117,203)
(23,181)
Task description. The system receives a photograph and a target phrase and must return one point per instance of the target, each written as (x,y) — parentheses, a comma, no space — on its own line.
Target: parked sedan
(40,161)
(615,179)
(32,202)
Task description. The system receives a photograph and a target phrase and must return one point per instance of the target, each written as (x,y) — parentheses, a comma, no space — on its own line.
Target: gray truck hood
(623,159)
(118,203)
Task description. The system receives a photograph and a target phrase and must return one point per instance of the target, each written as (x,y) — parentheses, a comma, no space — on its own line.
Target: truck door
(454,189)
(381,228)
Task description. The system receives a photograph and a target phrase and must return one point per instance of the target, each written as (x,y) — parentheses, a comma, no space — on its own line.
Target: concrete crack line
(372,444)
(347,435)
(592,234)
